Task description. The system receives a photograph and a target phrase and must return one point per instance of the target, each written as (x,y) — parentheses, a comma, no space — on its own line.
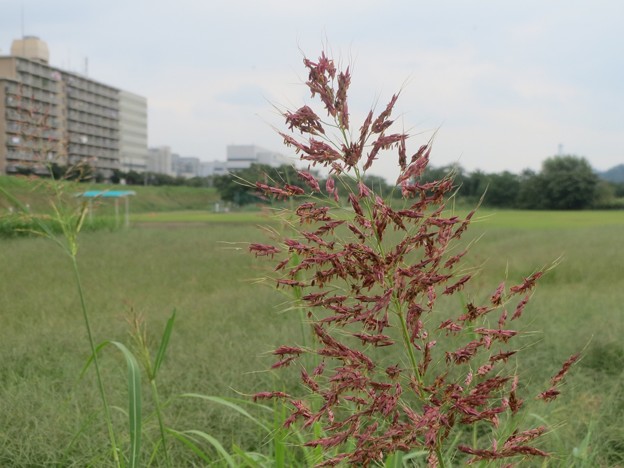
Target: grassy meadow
(227,323)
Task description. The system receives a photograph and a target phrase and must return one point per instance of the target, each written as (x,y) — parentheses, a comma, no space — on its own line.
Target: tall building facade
(51,115)
(133,152)
(160,160)
(92,122)
(31,112)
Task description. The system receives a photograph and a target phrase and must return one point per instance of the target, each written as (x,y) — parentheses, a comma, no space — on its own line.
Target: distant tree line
(563,183)
(156,179)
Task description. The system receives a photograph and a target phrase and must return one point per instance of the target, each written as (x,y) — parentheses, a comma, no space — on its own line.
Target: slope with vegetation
(148,198)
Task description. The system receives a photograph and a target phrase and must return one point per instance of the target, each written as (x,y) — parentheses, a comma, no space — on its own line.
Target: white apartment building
(133,153)
(52,115)
(160,161)
(210,168)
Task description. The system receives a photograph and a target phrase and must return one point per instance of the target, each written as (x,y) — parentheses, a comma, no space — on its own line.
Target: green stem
(107,415)
(160,420)
(408,343)
(302,315)
(440,458)
(404,331)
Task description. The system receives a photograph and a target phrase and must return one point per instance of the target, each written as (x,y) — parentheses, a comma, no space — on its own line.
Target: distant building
(243,156)
(186,166)
(160,160)
(133,153)
(51,115)
(210,168)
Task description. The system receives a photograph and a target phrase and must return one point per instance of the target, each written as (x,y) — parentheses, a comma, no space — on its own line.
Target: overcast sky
(504,83)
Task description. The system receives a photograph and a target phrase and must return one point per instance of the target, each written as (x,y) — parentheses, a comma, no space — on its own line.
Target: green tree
(502,189)
(240,188)
(568,183)
(530,195)
(473,185)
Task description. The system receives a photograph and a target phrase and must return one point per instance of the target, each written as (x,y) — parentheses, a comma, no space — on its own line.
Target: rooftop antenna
(86,66)
(560,149)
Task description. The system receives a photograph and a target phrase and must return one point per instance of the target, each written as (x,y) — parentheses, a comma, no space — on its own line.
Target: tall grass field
(228,322)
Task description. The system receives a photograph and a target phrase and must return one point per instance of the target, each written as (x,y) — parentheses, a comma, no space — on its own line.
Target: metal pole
(116,212)
(127,211)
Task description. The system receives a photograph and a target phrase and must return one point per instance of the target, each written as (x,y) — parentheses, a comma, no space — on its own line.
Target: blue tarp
(106,193)
(115,195)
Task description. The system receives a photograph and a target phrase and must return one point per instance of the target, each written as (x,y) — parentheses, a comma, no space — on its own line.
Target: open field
(488,218)
(194,216)
(226,324)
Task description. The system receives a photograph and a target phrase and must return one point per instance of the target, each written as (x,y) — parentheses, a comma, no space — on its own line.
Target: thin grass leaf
(90,360)
(451,448)
(251,459)
(316,453)
(229,403)
(81,217)
(154,453)
(582,450)
(190,444)
(415,454)
(46,230)
(134,403)
(216,444)
(79,433)
(164,342)
(394,460)
(313,455)
(279,437)
(134,397)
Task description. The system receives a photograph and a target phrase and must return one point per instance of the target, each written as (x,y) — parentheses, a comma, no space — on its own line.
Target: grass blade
(394,460)
(279,438)
(45,228)
(190,444)
(216,444)
(229,404)
(164,342)
(251,459)
(134,403)
(91,358)
(415,454)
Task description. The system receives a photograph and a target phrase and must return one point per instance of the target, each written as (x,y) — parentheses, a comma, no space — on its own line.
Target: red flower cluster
(364,290)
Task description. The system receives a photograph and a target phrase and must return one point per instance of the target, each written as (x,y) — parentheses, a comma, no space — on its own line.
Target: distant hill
(615,174)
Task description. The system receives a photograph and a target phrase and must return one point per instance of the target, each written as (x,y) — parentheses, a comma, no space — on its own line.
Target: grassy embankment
(226,324)
(35,194)
(147,198)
